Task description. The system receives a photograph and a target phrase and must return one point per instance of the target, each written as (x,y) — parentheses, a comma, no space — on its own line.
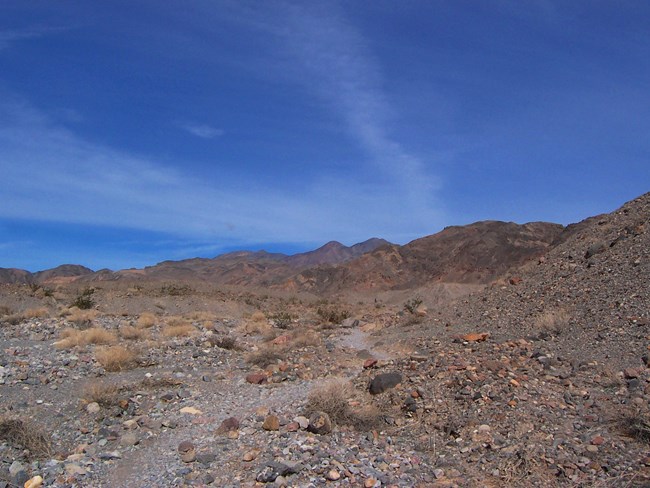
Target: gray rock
(384,382)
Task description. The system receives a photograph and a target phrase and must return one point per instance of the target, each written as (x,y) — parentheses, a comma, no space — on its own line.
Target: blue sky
(137,131)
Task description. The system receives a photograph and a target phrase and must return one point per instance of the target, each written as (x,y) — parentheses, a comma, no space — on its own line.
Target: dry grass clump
(131,333)
(116,358)
(36,313)
(637,426)
(181,330)
(147,320)
(258,317)
(104,393)
(335,398)
(74,337)
(305,338)
(225,342)
(553,321)
(22,434)
(5,310)
(202,316)
(256,327)
(81,318)
(265,356)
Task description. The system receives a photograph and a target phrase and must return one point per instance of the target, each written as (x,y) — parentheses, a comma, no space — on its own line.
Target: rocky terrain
(540,378)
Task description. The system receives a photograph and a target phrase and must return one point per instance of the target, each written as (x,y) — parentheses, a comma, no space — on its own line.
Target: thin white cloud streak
(334,59)
(51,174)
(9,37)
(202,130)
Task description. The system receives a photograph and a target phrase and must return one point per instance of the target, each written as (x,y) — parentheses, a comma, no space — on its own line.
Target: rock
(187,451)
(107,456)
(369,363)
(206,458)
(276,469)
(35,482)
(129,439)
(370,483)
(191,411)
(476,337)
(230,424)
(75,470)
(271,422)
(293,427)
(93,408)
(302,421)
(256,378)
(383,382)
(15,468)
(595,249)
(333,475)
(21,478)
(320,423)
(251,455)
(283,339)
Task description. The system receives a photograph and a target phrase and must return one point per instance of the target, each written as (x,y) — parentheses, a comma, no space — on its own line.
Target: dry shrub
(256,328)
(225,342)
(258,317)
(202,316)
(305,338)
(35,313)
(552,321)
(104,393)
(180,330)
(81,318)
(265,356)
(5,310)
(74,337)
(22,434)
(147,320)
(638,427)
(334,398)
(133,333)
(116,358)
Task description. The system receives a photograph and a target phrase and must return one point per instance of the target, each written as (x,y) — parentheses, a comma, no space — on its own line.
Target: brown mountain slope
(587,298)
(476,253)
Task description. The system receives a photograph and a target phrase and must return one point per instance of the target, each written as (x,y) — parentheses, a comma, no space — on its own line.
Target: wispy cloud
(51,174)
(336,61)
(8,37)
(202,130)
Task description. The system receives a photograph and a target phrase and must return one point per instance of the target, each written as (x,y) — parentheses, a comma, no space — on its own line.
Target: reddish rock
(271,422)
(476,337)
(631,373)
(256,378)
(598,440)
(283,339)
(228,425)
(515,280)
(293,427)
(369,363)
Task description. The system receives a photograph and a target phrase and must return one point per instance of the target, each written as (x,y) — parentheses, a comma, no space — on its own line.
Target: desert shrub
(227,342)
(552,321)
(411,305)
(131,333)
(146,320)
(81,318)
(178,330)
(70,337)
(104,393)
(265,356)
(334,397)
(36,313)
(175,290)
(23,434)
(282,319)
(305,337)
(116,358)
(202,316)
(332,314)
(637,426)
(5,310)
(258,317)
(84,300)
